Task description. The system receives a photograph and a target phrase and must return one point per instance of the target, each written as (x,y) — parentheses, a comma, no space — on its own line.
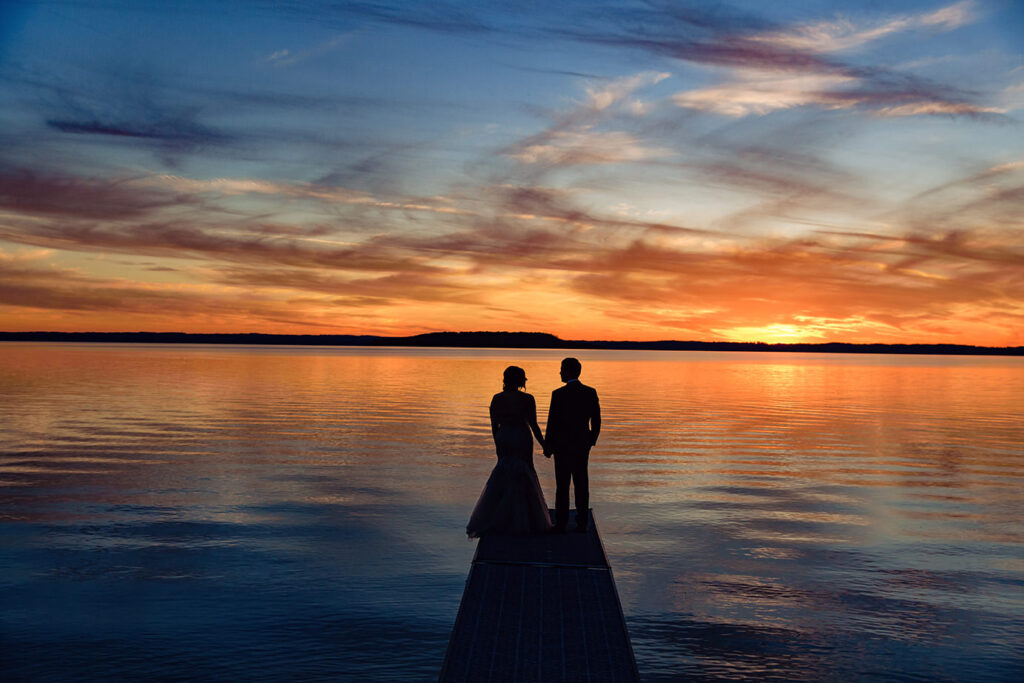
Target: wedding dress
(512,502)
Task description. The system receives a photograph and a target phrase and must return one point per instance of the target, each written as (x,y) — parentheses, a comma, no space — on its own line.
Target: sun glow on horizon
(773,334)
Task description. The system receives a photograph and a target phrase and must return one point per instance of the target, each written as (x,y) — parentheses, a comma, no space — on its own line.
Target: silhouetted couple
(512,501)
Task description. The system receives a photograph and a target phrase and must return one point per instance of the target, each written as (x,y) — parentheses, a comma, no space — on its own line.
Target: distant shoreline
(507,340)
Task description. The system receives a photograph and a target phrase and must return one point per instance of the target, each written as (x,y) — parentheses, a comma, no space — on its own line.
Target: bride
(512,501)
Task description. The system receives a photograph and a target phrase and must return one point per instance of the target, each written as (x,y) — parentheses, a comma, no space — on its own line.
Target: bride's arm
(494,424)
(531,418)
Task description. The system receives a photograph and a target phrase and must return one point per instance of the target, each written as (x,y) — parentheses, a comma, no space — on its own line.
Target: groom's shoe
(581,528)
(558,529)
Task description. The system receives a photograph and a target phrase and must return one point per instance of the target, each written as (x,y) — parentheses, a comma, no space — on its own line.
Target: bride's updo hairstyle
(514,378)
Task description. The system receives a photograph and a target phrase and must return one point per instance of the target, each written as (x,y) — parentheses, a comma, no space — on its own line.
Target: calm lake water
(242,513)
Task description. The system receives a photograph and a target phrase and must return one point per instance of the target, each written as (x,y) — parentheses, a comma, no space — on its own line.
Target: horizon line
(540,337)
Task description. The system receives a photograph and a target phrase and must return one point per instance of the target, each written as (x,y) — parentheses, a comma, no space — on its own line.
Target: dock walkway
(540,608)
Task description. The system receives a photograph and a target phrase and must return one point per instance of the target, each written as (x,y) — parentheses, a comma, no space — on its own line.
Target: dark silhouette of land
(506,340)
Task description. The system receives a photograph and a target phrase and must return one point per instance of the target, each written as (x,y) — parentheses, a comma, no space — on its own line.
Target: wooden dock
(540,608)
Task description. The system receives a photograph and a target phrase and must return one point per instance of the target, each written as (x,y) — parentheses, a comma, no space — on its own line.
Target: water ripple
(269,514)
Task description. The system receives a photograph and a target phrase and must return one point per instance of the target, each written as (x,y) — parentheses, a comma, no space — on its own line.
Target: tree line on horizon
(501,339)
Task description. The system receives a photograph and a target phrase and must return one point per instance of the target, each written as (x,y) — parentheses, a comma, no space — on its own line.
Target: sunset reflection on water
(270,513)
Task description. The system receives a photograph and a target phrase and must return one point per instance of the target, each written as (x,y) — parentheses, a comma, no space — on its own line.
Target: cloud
(883,283)
(127,107)
(721,36)
(797,62)
(711,46)
(992,197)
(25,283)
(330,194)
(162,116)
(580,136)
(762,87)
(603,96)
(365,291)
(442,16)
(850,292)
(136,216)
(843,34)
(586,146)
(757,93)
(178,133)
(784,181)
(287,58)
(184,240)
(868,286)
(771,67)
(232,299)
(172,215)
(31,193)
(762,91)
(517,209)
(945,108)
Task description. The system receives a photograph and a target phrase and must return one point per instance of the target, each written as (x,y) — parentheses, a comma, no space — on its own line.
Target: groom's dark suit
(574,422)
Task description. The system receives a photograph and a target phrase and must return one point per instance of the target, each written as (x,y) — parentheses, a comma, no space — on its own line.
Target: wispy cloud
(859,293)
(586,146)
(30,284)
(583,134)
(170,131)
(379,290)
(771,78)
(862,285)
(32,193)
(442,16)
(991,197)
(845,34)
(330,194)
(760,92)
(602,96)
(768,67)
(159,116)
(184,240)
(753,92)
(286,58)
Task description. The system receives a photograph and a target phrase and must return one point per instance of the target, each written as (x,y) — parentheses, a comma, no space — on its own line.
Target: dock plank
(540,608)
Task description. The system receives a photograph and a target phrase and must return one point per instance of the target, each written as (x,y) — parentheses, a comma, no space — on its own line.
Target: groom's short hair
(571,367)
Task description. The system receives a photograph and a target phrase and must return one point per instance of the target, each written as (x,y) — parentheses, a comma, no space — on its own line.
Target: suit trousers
(572,465)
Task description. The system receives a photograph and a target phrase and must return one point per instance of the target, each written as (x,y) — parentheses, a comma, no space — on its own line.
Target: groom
(574,421)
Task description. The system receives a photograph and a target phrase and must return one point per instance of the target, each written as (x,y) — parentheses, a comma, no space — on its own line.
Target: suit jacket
(574,419)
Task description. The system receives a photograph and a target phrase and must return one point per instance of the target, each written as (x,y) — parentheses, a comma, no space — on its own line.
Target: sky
(747,171)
